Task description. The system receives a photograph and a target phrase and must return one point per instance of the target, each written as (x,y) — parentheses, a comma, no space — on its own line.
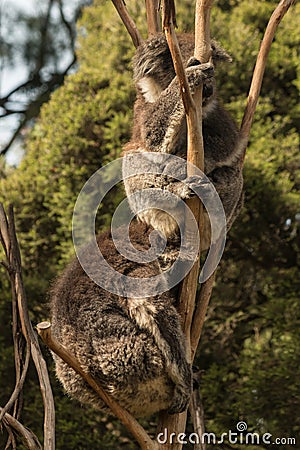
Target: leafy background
(249,351)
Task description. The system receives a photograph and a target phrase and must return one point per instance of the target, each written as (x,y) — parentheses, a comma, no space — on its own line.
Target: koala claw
(180,402)
(196,185)
(193,62)
(199,74)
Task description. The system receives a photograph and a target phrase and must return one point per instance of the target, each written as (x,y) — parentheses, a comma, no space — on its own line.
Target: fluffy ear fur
(219,55)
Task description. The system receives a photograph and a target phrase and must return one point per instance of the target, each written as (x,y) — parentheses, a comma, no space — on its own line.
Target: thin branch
(11,247)
(197,412)
(44,330)
(200,312)
(43,39)
(186,301)
(4,233)
(259,70)
(195,153)
(16,133)
(128,22)
(33,107)
(33,79)
(67,24)
(169,23)
(18,386)
(27,435)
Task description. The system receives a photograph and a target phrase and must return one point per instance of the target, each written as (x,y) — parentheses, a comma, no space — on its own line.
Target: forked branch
(21,316)
(275,19)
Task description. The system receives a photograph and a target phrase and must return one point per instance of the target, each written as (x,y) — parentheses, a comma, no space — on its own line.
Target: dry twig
(259,70)
(128,22)
(20,315)
(153,16)
(29,438)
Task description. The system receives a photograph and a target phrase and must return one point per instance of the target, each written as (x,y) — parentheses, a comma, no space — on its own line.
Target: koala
(160,126)
(134,347)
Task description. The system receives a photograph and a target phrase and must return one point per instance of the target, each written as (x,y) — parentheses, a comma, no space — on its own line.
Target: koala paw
(193,62)
(180,401)
(196,185)
(197,73)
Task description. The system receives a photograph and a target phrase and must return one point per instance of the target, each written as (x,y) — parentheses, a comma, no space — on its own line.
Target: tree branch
(32,109)
(13,265)
(128,22)
(20,379)
(67,24)
(200,312)
(195,155)
(197,413)
(259,70)
(30,439)
(153,17)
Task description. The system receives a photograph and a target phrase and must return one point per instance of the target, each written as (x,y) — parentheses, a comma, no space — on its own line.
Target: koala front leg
(163,126)
(171,342)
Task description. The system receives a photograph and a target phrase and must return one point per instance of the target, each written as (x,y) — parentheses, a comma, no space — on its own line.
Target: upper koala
(160,126)
(134,347)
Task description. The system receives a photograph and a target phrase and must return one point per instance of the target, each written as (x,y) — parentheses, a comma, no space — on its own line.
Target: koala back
(124,343)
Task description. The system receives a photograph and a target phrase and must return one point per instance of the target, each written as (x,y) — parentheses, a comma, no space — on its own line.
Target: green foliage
(249,350)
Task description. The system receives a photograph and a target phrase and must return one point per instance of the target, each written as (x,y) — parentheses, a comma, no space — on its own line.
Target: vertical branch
(13,266)
(202,30)
(200,312)
(153,17)
(197,413)
(195,155)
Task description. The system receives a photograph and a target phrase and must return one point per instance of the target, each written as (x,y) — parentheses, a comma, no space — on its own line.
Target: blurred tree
(38,42)
(250,347)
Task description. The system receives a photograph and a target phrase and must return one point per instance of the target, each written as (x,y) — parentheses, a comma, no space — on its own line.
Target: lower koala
(134,347)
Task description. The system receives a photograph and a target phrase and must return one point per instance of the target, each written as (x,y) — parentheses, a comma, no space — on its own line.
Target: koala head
(153,58)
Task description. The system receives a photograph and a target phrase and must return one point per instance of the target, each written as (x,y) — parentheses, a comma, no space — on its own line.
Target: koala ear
(219,54)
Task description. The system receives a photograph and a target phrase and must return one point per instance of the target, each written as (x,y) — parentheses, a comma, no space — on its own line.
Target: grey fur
(133,347)
(160,126)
